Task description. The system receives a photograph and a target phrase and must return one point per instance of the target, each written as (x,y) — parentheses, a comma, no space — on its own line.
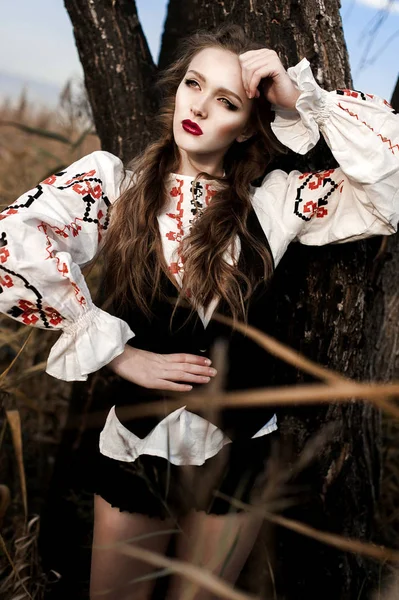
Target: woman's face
(212,108)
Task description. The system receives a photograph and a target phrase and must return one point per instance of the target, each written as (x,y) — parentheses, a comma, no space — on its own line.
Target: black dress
(152,485)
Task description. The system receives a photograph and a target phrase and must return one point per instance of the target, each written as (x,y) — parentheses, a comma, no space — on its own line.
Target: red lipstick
(191,127)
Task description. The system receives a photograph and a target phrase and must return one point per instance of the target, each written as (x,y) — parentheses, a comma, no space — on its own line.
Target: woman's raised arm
(358,199)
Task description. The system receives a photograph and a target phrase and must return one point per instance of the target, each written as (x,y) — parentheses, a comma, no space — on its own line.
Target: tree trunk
(119,72)
(395,97)
(337,294)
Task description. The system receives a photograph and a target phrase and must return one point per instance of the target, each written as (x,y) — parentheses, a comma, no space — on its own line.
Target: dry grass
(26,158)
(39,402)
(27,155)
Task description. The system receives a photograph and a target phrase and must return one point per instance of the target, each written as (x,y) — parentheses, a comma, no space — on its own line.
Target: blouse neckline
(189,177)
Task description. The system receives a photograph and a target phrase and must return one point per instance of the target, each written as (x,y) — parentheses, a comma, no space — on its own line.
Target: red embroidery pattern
(6,281)
(310,207)
(351,93)
(4,254)
(61,266)
(73,228)
(90,192)
(198,203)
(8,213)
(91,189)
(87,188)
(50,180)
(178,215)
(26,311)
(81,299)
(383,139)
(209,193)
(81,176)
(321,212)
(385,102)
(176,267)
(320,177)
(315,207)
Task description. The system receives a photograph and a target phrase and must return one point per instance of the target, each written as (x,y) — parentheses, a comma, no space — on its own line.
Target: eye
(189,82)
(229,104)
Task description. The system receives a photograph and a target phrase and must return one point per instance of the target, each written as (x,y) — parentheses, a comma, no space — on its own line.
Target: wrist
(116,364)
(295,98)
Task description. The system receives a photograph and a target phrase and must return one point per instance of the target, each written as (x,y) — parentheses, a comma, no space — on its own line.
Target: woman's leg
(112,570)
(220,543)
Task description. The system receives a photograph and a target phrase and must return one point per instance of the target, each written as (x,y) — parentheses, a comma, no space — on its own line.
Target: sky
(37,47)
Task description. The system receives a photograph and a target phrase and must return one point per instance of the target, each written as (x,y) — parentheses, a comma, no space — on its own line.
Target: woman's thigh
(219,543)
(110,569)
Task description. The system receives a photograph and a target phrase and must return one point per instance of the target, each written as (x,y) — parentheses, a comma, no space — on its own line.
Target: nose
(199,109)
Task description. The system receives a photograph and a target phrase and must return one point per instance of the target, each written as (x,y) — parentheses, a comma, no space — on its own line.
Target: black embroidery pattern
(87,186)
(357,94)
(196,200)
(353,93)
(307,205)
(88,198)
(27,311)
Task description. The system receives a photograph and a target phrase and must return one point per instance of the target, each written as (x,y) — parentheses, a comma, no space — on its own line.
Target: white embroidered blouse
(55,229)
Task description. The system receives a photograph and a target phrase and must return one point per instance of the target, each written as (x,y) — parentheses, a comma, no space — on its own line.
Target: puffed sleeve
(46,237)
(357,200)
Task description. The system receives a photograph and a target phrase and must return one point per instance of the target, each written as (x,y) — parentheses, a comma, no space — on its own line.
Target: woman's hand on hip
(162,371)
(264,69)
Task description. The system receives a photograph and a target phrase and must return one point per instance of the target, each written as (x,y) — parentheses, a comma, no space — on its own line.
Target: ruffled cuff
(88,344)
(299,129)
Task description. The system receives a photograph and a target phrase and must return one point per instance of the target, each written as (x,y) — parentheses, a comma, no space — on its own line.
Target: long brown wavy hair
(132,249)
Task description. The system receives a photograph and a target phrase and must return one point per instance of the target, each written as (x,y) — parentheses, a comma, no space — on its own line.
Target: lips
(191,127)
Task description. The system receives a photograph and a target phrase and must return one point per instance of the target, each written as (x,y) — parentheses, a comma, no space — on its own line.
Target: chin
(189,145)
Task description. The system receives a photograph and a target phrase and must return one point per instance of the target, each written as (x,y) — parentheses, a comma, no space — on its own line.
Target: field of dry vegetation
(33,144)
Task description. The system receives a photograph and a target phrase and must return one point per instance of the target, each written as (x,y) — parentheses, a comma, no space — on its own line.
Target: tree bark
(294,29)
(119,72)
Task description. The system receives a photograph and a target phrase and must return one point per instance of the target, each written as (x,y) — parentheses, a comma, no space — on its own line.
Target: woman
(185,231)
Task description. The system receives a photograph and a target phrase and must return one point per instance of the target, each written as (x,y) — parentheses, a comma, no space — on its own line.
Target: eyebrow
(221,89)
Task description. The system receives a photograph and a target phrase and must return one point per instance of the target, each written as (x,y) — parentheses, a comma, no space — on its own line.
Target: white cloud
(389,5)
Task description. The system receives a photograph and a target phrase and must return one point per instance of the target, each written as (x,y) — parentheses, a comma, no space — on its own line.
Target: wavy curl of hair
(132,249)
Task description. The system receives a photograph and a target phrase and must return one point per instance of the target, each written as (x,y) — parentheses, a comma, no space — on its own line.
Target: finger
(249,77)
(263,72)
(260,55)
(172,386)
(257,62)
(184,376)
(262,65)
(187,358)
(266,63)
(248,54)
(195,369)
(254,62)
(253,84)
(251,55)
